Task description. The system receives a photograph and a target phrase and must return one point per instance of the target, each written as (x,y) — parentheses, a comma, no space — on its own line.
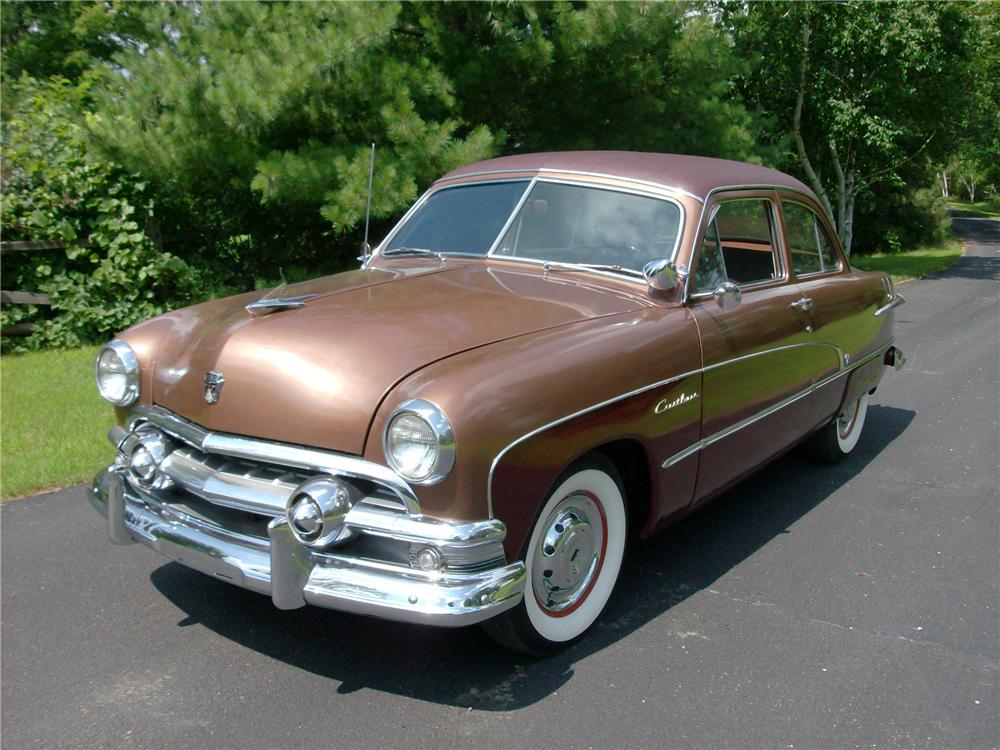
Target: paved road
(811,607)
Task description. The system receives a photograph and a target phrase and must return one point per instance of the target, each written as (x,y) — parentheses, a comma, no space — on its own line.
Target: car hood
(316,375)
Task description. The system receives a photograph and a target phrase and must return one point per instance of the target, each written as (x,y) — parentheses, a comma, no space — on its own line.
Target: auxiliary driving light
(317,509)
(144,450)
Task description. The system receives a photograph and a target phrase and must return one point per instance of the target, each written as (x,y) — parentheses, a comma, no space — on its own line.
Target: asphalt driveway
(810,607)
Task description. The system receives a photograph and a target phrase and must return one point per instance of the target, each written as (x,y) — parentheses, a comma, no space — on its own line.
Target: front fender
(524,408)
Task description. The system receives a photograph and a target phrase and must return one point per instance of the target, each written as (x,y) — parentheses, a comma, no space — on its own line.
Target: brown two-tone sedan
(549,353)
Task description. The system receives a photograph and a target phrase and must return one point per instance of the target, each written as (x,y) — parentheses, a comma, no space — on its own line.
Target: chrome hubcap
(846,420)
(568,554)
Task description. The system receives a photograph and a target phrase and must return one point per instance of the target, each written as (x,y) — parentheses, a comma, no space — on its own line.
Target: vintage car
(547,354)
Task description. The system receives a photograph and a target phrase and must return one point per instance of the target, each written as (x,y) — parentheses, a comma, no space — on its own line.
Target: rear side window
(738,246)
(808,242)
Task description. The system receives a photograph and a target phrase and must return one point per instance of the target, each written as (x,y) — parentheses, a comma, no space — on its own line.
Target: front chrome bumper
(294,575)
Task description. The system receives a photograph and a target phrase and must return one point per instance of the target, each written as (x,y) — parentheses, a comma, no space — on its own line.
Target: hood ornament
(273,302)
(213,386)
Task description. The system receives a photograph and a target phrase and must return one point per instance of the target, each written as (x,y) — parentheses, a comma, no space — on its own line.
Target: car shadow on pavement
(463,667)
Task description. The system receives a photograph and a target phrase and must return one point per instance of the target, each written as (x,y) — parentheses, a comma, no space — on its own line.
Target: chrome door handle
(805,304)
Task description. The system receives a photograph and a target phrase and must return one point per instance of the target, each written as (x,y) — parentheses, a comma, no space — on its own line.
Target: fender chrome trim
(722,434)
(694,448)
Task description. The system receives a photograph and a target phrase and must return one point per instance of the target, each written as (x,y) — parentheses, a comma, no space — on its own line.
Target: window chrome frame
(432,190)
(607,188)
(818,217)
(625,275)
(778,251)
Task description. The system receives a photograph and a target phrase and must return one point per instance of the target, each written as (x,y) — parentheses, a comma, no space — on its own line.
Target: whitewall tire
(836,440)
(573,557)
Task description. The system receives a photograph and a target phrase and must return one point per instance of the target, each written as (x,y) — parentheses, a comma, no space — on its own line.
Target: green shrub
(898,220)
(110,275)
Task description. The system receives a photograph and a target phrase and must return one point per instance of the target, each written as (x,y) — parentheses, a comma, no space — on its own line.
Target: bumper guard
(294,575)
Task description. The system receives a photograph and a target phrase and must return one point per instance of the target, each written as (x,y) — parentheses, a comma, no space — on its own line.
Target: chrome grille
(252,486)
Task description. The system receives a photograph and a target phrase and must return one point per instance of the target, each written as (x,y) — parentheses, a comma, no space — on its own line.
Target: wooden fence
(25,298)
(32,298)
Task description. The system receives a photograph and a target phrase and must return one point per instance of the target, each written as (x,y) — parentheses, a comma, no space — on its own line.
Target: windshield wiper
(594,267)
(413,251)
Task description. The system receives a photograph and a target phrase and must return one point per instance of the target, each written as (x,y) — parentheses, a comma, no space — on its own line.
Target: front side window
(738,246)
(810,246)
(464,219)
(575,224)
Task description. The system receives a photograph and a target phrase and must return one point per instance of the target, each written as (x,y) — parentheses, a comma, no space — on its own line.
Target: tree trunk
(800,143)
(847,236)
(970,187)
(944,183)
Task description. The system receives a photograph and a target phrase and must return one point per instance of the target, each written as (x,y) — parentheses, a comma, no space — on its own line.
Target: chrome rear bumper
(293,575)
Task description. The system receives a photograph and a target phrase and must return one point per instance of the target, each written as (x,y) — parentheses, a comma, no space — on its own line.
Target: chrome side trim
(895,301)
(552,170)
(696,446)
(722,434)
(283,454)
(567,418)
(636,392)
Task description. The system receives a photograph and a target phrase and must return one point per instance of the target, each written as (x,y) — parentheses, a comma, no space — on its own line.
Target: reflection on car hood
(315,375)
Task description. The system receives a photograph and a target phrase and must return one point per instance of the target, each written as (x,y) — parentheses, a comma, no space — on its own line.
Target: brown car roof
(698,175)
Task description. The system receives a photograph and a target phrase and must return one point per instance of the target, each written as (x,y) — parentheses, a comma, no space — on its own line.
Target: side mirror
(728,295)
(663,276)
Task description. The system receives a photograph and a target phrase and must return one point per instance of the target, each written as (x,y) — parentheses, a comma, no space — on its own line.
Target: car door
(755,340)
(818,267)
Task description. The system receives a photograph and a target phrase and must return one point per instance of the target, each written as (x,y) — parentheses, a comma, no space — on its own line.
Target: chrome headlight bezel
(130,368)
(443,433)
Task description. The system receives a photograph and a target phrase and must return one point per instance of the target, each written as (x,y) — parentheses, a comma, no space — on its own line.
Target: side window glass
(808,242)
(738,246)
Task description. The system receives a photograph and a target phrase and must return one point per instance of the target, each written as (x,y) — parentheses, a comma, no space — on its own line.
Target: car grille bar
(257,475)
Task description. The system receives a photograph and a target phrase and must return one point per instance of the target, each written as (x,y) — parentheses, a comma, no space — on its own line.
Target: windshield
(592,226)
(557,222)
(465,219)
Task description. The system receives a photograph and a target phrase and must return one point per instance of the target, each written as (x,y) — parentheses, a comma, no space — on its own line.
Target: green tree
(976,163)
(860,94)
(636,76)
(259,116)
(46,39)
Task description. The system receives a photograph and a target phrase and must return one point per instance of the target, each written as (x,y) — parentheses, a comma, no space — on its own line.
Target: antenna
(366,248)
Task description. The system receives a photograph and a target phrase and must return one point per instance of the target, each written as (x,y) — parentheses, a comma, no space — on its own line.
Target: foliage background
(245,128)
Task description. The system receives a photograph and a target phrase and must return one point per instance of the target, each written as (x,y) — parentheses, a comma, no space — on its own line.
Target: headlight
(117,373)
(419,443)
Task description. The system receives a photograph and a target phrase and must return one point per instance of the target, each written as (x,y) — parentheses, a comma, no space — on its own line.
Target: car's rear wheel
(835,441)
(573,557)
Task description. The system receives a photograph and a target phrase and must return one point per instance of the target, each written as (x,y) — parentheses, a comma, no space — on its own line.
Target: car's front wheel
(836,440)
(573,557)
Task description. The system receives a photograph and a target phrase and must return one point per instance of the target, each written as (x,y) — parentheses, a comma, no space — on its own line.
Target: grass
(989,209)
(53,424)
(911,264)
